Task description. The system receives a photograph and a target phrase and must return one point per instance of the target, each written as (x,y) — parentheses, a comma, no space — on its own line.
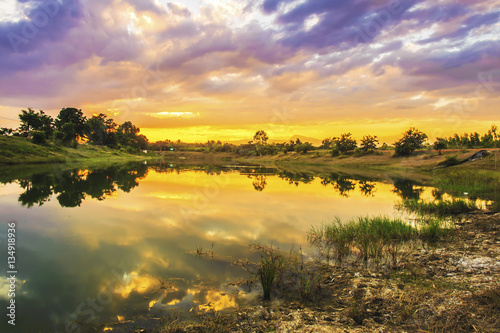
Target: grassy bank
(18,150)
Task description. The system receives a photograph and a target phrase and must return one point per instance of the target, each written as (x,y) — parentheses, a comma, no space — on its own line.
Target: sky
(196,70)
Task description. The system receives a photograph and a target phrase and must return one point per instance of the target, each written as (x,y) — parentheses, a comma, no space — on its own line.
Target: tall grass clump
(440,208)
(267,273)
(433,230)
(335,236)
(371,238)
(286,273)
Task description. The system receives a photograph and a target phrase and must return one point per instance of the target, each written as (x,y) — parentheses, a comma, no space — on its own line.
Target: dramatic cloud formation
(195,70)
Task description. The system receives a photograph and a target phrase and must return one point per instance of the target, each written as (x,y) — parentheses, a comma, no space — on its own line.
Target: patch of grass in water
(373,238)
(440,208)
(476,184)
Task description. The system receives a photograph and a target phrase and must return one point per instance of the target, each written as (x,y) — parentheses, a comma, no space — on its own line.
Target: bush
(358,152)
(304,147)
(450,161)
(39,138)
(335,152)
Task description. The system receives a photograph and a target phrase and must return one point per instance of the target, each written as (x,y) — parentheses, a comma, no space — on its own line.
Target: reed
(440,208)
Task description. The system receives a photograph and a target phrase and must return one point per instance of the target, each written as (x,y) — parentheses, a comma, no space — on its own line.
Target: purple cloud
(473,22)
(342,24)
(47,21)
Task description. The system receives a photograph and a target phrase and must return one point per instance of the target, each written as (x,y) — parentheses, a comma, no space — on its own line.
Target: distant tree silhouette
(260,137)
(439,145)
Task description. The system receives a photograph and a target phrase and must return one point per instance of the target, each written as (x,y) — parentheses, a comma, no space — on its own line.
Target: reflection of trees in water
(367,188)
(72,186)
(407,189)
(296,177)
(341,183)
(259,183)
(344,185)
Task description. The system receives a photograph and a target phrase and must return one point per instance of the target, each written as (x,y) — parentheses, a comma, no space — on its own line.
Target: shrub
(335,152)
(450,161)
(39,138)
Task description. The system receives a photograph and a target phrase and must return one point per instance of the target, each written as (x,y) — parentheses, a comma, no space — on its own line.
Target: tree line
(71,127)
(344,144)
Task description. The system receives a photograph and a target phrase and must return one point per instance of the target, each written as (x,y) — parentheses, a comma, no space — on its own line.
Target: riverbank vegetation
(440,208)
(71,129)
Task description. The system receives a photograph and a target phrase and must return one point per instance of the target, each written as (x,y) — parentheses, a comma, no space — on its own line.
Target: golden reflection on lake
(134,250)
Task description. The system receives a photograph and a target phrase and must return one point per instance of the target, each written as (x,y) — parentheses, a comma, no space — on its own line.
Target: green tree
(70,125)
(36,124)
(491,139)
(439,145)
(101,130)
(345,143)
(411,140)
(369,143)
(30,121)
(128,135)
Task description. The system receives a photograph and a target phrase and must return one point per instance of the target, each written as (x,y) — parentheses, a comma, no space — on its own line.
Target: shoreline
(452,285)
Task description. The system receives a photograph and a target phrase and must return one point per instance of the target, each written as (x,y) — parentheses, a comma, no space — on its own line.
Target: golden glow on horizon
(386,131)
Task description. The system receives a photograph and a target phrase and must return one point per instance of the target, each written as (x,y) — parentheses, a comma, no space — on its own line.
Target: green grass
(267,274)
(433,229)
(287,274)
(450,161)
(440,208)
(372,238)
(473,183)
(19,150)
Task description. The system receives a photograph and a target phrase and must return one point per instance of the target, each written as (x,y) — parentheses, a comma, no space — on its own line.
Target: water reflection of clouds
(141,233)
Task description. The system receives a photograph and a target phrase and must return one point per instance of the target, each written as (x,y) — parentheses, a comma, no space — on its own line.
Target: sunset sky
(197,69)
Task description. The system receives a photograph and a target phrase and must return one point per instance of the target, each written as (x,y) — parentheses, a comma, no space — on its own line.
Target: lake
(110,244)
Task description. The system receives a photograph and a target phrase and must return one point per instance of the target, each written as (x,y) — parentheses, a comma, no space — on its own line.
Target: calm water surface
(97,246)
